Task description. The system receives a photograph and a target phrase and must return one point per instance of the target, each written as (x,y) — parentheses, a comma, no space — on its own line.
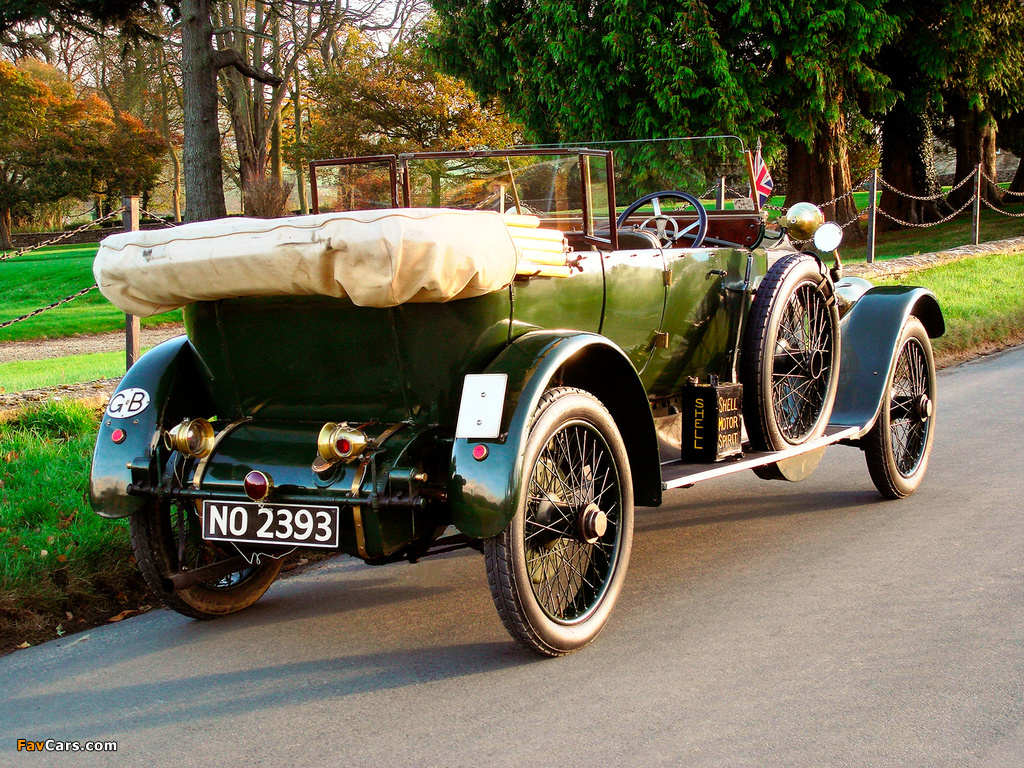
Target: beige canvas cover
(376,258)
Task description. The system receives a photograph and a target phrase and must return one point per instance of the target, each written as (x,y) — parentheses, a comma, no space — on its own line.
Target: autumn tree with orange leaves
(54,145)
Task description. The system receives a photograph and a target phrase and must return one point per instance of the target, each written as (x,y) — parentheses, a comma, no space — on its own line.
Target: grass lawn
(40,277)
(33,374)
(61,566)
(981,301)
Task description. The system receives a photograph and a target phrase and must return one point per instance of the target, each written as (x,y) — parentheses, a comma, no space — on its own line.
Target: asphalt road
(762,624)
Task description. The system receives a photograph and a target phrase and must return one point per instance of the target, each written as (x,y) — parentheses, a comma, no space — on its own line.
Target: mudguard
(152,394)
(870,332)
(482,494)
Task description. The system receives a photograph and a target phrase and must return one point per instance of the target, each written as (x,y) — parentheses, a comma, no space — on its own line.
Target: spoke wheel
(790,364)
(898,445)
(166,539)
(557,569)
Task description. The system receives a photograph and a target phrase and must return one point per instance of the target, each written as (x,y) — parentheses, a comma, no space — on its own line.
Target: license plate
(298,524)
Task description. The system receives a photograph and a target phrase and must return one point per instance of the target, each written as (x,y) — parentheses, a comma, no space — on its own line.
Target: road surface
(762,624)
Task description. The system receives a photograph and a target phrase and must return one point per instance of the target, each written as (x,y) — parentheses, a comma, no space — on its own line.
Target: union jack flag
(763,183)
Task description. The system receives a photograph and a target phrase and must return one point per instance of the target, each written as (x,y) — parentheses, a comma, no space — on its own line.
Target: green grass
(56,556)
(52,372)
(980,298)
(41,277)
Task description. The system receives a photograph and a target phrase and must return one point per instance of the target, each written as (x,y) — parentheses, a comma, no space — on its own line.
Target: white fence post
(872,210)
(720,194)
(976,219)
(132,329)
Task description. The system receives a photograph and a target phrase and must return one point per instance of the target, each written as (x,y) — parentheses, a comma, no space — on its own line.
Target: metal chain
(48,307)
(164,222)
(985,176)
(932,223)
(63,236)
(1004,213)
(925,198)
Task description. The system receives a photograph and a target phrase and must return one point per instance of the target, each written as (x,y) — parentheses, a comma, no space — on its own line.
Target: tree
(376,102)
(603,70)
(54,145)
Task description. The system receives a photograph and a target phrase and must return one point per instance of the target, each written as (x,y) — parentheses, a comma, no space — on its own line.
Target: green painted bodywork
(482,494)
(271,371)
(870,332)
(169,375)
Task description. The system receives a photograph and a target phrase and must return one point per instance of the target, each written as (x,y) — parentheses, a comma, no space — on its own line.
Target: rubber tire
(505,554)
(783,280)
(156,551)
(878,449)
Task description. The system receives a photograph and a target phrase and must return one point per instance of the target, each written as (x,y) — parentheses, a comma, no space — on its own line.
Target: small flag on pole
(763,183)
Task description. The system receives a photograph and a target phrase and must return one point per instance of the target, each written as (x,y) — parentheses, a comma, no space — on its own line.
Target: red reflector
(257,485)
(344,447)
(480,452)
(118,436)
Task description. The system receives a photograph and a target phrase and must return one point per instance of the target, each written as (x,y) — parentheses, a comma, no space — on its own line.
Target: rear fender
(870,332)
(482,494)
(159,389)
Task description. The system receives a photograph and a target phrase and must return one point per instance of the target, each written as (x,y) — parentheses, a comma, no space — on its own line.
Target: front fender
(168,376)
(482,494)
(870,332)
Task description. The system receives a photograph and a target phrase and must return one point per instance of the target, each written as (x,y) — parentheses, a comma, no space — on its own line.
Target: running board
(680,475)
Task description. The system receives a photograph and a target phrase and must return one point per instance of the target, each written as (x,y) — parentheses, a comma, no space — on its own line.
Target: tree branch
(229,57)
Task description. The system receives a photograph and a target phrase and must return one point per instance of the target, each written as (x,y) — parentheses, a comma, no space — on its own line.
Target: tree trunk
(974,139)
(908,165)
(821,174)
(1017,185)
(300,167)
(204,182)
(5,230)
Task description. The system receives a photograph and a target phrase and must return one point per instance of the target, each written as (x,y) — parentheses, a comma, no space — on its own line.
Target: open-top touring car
(484,349)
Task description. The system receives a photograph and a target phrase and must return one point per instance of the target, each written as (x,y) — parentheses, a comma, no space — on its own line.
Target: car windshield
(569,189)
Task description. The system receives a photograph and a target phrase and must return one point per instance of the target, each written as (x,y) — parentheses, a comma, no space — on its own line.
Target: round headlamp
(193,437)
(802,220)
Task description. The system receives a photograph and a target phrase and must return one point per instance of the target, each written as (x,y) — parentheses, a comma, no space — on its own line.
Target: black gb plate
(245,521)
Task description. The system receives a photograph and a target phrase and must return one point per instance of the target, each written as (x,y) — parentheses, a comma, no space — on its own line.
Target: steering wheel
(694,232)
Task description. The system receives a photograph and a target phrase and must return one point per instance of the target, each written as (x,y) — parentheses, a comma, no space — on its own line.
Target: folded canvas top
(376,258)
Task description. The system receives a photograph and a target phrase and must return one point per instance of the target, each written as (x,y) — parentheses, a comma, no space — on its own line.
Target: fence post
(720,194)
(132,330)
(976,218)
(872,210)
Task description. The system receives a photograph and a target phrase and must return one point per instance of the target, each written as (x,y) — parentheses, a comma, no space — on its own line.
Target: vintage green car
(482,349)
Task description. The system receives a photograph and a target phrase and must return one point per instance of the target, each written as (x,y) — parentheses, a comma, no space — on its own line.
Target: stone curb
(905,264)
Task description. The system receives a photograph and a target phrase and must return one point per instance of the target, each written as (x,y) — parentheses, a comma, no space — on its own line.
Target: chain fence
(46,243)
(876,183)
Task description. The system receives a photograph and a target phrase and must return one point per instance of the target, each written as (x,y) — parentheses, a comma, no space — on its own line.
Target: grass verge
(38,278)
(981,302)
(19,376)
(62,568)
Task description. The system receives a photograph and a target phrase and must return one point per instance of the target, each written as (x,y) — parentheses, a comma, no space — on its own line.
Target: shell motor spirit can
(712,421)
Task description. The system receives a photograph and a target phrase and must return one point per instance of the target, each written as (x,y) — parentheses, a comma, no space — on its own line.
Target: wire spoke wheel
(790,366)
(556,571)
(167,540)
(899,443)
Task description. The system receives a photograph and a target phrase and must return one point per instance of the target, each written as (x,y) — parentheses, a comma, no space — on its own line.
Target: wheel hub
(593,523)
(923,407)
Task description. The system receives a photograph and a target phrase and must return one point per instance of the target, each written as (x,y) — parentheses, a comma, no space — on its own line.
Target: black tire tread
(498,558)
(877,450)
(755,339)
